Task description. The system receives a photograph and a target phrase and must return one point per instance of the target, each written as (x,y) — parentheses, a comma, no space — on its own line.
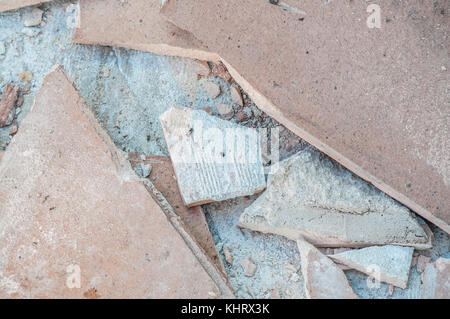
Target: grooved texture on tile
(73,211)
(214,160)
(375,100)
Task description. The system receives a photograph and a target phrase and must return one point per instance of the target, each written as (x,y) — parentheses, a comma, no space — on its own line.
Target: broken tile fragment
(302,86)
(7,104)
(236,96)
(214,160)
(389,264)
(106,72)
(135,24)
(323,279)
(307,196)
(88,222)
(212,89)
(436,280)
(162,176)
(6,5)
(33,18)
(249,267)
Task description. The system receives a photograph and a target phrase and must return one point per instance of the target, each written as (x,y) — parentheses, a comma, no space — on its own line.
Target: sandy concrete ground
(132,89)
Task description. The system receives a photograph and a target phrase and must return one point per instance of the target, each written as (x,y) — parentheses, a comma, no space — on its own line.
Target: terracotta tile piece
(163,177)
(135,24)
(373,99)
(323,279)
(6,5)
(76,221)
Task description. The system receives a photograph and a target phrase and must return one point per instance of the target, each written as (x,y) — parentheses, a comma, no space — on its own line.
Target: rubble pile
(82,218)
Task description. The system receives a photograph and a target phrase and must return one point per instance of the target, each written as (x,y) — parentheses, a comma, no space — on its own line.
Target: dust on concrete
(128,99)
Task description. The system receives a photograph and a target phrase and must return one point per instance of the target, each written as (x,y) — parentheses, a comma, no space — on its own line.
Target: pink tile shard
(135,24)
(163,177)
(373,99)
(323,278)
(6,5)
(76,222)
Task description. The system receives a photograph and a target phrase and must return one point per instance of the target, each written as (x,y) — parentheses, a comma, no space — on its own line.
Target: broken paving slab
(389,264)
(214,159)
(6,5)
(163,177)
(74,214)
(135,24)
(322,277)
(308,195)
(373,99)
(436,280)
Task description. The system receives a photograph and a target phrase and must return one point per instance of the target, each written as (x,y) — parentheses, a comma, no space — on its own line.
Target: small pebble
(228,255)
(146,170)
(33,18)
(106,72)
(225,111)
(26,76)
(249,267)
(236,96)
(241,116)
(212,89)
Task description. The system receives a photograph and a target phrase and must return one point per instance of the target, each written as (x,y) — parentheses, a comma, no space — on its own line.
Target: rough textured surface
(7,104)
(323,279)
(6,5)
(214,160)
(135,24)
(373,99)
(69,201)
(307,196)
(390,263)
(138,80)
(33,18)
(163,177)
(436,280)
